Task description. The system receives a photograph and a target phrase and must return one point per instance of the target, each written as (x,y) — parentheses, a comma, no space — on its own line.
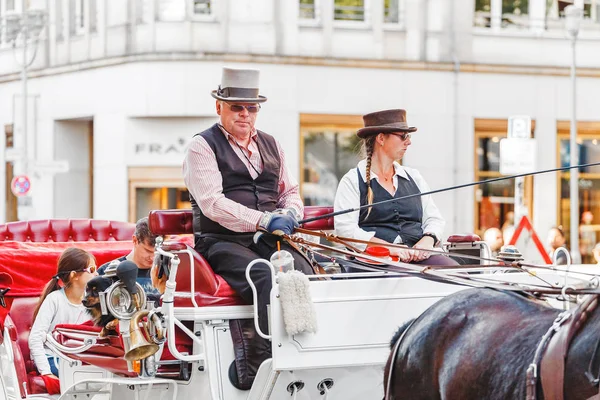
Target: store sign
(160,149)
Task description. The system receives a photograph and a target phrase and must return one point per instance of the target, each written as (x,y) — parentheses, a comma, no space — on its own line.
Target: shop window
(494,202)
(156,188)
(588,140)
(164,198)
(329,149)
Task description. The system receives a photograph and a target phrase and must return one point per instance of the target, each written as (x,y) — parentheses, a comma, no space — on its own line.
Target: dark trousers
(230,259)
(437,259)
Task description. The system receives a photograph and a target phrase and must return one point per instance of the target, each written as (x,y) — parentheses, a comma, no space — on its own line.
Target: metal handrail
(254,294)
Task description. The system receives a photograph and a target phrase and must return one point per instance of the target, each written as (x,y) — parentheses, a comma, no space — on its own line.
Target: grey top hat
(239,85)
(384,122)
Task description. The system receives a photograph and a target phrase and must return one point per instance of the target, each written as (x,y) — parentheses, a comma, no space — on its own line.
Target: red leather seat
(177,222)
(464,238)
(19,324)
(108,351)
(209,289)
(325,224)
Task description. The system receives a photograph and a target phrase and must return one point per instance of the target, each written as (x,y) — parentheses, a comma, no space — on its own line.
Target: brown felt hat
(386,121)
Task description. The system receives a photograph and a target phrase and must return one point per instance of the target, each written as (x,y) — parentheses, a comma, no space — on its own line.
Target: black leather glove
(278,224)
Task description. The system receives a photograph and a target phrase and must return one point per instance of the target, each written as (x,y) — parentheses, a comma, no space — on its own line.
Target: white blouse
(348,196)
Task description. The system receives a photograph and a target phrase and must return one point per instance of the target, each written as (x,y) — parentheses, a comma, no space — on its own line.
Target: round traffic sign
(20,185)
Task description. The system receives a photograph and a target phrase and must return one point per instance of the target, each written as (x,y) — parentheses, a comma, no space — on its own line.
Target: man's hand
(279,224)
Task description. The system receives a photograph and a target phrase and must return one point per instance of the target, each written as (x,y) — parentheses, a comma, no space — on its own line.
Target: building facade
(116,89)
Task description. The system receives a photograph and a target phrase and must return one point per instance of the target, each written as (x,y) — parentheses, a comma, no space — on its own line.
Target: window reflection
(494,201)
(589,194)
(148,199)
(328,155)
(488,154)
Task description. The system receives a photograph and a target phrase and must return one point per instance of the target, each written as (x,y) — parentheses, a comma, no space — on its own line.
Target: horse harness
(552,351)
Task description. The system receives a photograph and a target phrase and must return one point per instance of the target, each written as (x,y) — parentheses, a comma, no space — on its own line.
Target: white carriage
(344,359)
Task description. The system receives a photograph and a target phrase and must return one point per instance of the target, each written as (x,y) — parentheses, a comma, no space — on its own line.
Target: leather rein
(435,273)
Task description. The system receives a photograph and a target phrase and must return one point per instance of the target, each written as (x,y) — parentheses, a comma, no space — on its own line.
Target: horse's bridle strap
(553,360)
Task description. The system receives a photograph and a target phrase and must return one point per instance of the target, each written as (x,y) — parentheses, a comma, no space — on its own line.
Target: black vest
(258,194)
(403,217)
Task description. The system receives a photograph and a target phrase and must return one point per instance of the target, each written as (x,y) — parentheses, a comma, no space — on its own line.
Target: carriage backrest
(175,222)
(66,230)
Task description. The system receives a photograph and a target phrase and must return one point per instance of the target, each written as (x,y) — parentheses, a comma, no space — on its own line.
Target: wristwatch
(433,236)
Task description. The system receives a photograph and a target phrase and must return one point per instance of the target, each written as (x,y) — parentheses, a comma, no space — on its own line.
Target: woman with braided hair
(415,222)
(60,303)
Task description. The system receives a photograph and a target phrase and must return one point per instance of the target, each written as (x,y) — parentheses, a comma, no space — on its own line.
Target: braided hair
(367,148)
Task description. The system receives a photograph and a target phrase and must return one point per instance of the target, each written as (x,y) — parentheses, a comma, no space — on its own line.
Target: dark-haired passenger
(142,255)
(60,303)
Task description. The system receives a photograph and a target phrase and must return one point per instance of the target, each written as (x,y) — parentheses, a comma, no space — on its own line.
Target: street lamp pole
(573,17)
(24,66)
(20,28)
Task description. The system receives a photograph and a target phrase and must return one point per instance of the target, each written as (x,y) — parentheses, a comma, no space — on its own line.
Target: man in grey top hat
(239,185)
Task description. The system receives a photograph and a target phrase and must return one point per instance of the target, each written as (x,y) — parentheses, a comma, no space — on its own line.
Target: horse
(479,343)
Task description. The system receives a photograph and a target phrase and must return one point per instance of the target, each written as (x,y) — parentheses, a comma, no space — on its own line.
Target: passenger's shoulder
(103,267)
(55,297)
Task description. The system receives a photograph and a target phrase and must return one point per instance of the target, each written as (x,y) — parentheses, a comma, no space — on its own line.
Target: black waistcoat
(402,217)
(258,194)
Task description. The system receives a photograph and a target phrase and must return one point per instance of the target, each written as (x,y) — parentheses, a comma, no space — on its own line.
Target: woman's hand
(426,243)
(404,254)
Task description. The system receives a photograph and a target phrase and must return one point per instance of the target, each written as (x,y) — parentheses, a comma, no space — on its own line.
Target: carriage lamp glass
(120,301)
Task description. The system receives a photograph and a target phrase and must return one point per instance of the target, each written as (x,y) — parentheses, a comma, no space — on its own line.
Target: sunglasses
(239,108)
(90,269)
(403,136)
